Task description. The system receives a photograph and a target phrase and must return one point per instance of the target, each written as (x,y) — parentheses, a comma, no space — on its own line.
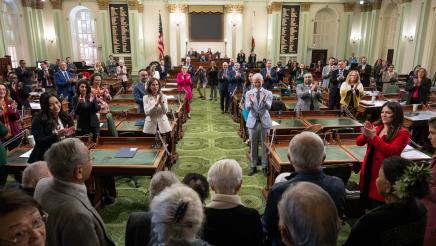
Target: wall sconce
(51,38)
(355,38)
(178,18)
(234,19)
(409,37)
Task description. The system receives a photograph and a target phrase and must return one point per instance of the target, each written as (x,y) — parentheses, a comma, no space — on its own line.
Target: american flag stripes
(160,42)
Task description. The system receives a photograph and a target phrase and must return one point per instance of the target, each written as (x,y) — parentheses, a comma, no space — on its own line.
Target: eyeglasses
(23,234)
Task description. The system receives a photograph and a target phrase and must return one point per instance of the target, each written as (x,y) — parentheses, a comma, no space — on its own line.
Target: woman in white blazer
(155,109)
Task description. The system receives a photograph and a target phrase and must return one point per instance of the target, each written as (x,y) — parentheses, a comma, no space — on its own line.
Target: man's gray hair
(225,176)
(33,173)
(64,156)
(309,215)
(177,213)
(306,150)
(160,181)
(257,76)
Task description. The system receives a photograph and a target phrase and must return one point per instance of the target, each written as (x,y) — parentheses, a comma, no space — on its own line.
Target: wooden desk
(418,119)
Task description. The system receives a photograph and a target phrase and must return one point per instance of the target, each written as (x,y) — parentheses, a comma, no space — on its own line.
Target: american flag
(160,42)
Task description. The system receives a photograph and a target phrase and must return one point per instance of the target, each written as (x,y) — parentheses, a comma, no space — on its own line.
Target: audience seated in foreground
(308,216)
(402,220)
(22,219)
(32,174)
(73,220)
(139,228)
(306,154)
(228,222)
(198,183)
(177,216)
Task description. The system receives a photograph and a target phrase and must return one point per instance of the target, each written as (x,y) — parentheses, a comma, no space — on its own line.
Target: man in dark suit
(24,74)
(269,76)
(365,72)
(73,220)
(225,77)
(64,82)
(241,58)
(191,68)
(252,60)
(280,71)
(162,70)
(338,76)
(239,79)
(45,78)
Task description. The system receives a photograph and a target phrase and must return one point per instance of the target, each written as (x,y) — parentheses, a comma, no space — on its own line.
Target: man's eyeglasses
(23,234)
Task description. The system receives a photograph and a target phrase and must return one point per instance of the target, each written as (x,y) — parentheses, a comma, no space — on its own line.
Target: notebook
(126,152)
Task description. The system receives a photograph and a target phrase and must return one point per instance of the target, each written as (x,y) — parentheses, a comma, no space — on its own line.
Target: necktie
(258,96)
(66,75)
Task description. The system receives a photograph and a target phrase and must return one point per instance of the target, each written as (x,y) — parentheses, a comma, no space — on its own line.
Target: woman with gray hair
(139,228)
(228,222)
(308,216)
(177,216)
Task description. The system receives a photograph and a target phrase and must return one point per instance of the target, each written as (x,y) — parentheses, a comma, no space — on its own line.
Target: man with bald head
(306,154)
(32,174)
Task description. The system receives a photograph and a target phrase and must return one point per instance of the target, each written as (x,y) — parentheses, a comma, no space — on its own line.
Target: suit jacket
(44,136)
(268,82)
(224,82)
(423,90)
(259,110)
(162,71)
(237,81)
(122,73)
(63,86)
(252,60)
(326,75)
(365,74)
(24,75)
(86,113)
(73,220)
(305,98)
(382,150)
(185,82)
(42,78)
(139,93)
(335,82)
(240,58)
(156,116)
(191,69)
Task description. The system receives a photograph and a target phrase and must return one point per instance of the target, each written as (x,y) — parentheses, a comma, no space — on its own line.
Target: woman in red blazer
(384,139)
(184,82)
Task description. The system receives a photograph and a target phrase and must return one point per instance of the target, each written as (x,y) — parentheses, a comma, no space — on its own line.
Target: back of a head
(62,157)
(225,176)
(409,180)
(160,181)
(198,183)
(177,213)
(306,151)
(33,173)
(309,215)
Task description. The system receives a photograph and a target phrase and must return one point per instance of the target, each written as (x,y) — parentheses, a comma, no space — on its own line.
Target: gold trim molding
(133,4)
(377,5)
(103,4)
(140,8)
(26,3)
(348,7)
(177,8)
(233,8)
(367,7)
(305,7)
(56,4)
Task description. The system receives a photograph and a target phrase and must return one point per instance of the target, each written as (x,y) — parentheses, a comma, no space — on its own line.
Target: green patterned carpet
(209,136)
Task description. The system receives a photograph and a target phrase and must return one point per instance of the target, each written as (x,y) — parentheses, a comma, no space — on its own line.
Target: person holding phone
(384,139)
(49,126)
(86,109)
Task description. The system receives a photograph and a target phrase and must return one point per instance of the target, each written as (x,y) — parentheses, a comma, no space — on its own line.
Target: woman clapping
(85,108)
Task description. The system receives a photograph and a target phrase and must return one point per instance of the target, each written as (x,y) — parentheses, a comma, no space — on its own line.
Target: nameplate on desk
(126,152)
(140,122)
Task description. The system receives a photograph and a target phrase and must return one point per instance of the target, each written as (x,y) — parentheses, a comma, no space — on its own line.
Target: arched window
(83,35)
(325,29)
(10,18)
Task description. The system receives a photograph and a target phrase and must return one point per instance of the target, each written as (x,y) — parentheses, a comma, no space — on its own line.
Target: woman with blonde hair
(351,91)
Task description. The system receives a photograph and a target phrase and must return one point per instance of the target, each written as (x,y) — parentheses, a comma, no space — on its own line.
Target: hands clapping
(368,130)
(65,132)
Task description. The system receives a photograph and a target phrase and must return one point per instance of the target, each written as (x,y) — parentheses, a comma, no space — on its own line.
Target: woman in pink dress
(184,82)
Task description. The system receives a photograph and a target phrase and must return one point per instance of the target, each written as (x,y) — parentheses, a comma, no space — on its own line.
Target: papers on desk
(26,154)
(275,123)
(172,84)
(411,153)
(126,152)
(167,89)
(377,103)
(35,106)
(101,124)
(171,97)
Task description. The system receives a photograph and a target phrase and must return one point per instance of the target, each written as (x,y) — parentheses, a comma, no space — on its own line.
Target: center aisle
(211,136)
